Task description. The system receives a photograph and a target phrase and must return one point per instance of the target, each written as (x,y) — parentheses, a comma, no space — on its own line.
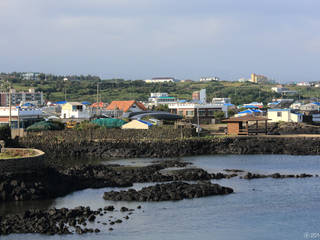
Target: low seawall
(16,165)
(180,147)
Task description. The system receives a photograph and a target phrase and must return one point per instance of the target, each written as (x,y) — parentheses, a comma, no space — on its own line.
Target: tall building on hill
(255,78)
(18,98)
(200,96)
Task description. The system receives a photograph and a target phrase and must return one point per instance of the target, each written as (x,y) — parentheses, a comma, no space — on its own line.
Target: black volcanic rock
(169,191)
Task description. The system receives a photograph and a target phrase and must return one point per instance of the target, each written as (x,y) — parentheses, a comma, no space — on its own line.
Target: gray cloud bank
(137,39)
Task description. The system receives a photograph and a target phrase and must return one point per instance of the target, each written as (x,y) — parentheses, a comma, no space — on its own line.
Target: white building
(209,79)
(30,76)
(221,100)
(310,107)
(282,90)
(75,110)
(316,117)
(284,115)
(243,80)
(20,116)
(296,105)
(160,99)
(161,80)
(304,84)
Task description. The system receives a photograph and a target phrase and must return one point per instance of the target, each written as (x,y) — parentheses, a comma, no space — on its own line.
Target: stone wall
(16,165)
(180,147)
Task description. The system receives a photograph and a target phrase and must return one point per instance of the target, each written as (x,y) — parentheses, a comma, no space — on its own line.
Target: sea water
(258,209)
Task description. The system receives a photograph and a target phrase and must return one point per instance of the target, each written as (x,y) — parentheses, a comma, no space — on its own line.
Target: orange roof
(125,105)
(99,104)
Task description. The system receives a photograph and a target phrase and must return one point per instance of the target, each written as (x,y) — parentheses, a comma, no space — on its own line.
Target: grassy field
(19,153)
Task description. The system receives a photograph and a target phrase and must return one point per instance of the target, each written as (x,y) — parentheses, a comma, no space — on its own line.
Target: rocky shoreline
(54,182)
(51,183)
(61,221)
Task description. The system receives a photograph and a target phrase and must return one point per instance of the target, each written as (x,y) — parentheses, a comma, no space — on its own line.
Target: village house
(246,125)
(137,124)
(310,107)
(22,117)
(75,110)
(118,108)
(284,115)
(191,111)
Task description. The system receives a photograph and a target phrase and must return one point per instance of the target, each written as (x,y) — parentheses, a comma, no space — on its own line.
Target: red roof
(125,105)
(99,104)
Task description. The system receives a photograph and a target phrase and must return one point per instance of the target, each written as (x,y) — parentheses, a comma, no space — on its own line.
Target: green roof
(167,97)
(109,122)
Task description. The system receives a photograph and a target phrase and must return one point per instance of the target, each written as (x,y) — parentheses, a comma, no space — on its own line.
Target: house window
(190,113)
(279,114)
(180,113)
(210,112)
(202,112)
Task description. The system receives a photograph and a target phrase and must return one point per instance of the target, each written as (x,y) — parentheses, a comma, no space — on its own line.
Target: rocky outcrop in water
(250,175)
(51,183)
(56,221)
(169,192)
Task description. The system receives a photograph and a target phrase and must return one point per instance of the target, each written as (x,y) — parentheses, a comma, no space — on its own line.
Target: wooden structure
(241,126)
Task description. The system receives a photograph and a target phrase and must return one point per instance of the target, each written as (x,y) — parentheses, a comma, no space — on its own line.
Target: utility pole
(97,94)
(98,105)
(65,88)
(198,120)
(10,105)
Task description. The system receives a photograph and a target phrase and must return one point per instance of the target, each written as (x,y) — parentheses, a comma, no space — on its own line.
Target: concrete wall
(16,165)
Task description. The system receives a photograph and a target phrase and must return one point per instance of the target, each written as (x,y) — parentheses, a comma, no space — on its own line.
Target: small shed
(137,124)
(241,126)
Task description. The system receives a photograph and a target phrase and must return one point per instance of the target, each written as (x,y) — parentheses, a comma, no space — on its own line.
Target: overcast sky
(139,39)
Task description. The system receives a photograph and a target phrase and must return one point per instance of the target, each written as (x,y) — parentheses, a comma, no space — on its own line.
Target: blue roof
(145,122)
(250,111)
(86,103)
(275,103)
(279,110)
(28,105)
(228,104)
(250,106)
(317,103)
(61,102)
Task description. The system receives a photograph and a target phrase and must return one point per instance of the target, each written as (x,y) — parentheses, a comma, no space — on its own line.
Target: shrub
(5,132)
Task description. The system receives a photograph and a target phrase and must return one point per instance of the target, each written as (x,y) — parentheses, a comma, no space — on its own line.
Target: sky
(141,39)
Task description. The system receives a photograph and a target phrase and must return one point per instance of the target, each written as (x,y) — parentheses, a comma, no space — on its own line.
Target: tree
(218,115)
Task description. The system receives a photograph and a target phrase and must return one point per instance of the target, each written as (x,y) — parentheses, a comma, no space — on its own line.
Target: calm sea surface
(259,208)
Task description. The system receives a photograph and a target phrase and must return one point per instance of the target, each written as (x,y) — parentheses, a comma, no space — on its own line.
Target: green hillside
(84,88)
